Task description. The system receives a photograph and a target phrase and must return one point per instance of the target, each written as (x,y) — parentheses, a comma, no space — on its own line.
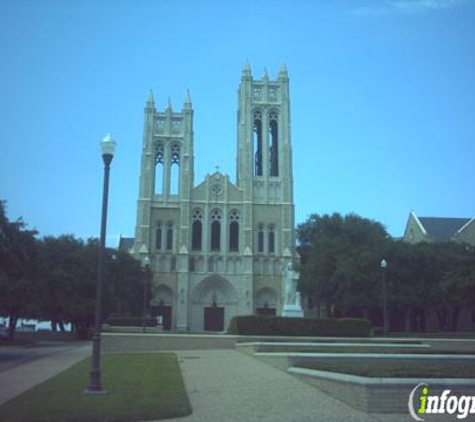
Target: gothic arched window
(257,132)
(260,238)
(273,145)
(215,230)
(175,169)
(234,231)
(158,236)
(271,239)
(196,231)
(169,236)
(158,174)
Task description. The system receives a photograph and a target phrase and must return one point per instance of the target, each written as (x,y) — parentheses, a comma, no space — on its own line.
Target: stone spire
(283,72)
(246,70)
(187,103)
(169,105)
(150,100)
(265,76)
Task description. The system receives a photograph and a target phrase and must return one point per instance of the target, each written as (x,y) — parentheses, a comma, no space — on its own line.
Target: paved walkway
(225,385)
(23,376)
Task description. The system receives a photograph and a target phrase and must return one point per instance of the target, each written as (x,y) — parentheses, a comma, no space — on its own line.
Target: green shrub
(248,324)
(131,322)
(284,326)
(84,333)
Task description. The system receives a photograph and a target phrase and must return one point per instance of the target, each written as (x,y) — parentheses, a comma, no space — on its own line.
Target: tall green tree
(18,268)
(457,283)
(341,266)
(60,266)
(340,260)
(127,283)
(68,282)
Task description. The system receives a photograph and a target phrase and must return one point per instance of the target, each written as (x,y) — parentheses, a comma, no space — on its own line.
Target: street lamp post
(146,263)
(384,265)
(95,386)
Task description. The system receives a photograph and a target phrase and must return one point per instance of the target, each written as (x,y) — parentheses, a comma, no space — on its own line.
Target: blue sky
(382,101)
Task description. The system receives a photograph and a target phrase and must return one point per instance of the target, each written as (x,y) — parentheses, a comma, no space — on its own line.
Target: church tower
(218,249)
(166,175)
(264,162)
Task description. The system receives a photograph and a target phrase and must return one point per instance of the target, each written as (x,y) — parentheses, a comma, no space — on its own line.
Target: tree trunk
(440,318)
(407,321)
(12,320)
(455,318)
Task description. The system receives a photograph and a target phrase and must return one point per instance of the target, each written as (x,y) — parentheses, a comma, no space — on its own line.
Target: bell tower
(264,151)
(166,175)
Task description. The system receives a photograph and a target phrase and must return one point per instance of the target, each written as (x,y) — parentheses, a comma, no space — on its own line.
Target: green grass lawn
(439,369)
(140,387)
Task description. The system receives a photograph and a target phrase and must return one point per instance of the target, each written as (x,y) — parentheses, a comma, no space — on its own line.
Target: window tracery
(175,169)
(160,125)
(234,231)
(215,230)
(257,143)
(169,236)
(272,94)
(158,236)
(196,230)
(273,144)
(271,238)
(158,173)
(176,126)
(260,238)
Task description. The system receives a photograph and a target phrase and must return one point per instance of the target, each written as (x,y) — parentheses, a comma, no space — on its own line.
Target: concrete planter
(377,395)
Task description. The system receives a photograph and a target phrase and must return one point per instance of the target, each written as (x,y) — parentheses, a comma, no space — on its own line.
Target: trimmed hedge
(284,326)
(131,322)
(84,333)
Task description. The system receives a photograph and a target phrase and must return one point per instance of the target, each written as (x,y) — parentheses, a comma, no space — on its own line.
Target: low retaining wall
(274,347)
(149,341)
(378,395)
(130,342)
(45,336)
(284,361)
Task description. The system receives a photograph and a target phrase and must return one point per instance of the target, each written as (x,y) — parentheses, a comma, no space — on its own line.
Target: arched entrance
(266,301)
(162,305)
(214,303)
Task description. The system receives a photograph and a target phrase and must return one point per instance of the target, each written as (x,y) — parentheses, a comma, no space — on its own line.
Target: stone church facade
(219,248)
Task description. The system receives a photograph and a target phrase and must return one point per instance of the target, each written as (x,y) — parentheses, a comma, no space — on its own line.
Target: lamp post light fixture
(108,146)
(384,265)
(146,264)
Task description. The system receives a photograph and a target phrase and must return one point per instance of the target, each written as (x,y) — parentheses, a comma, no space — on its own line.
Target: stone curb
(376,395)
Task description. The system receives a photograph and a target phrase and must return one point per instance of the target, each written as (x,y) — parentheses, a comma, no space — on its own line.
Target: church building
(221,247)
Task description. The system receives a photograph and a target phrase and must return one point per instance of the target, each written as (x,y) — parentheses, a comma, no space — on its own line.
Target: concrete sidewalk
(225,385)
(222,385)
(22,377)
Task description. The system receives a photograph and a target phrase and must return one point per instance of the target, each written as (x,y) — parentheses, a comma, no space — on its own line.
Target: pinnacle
(246,70)
(150,98)
(283,71)
(188,97)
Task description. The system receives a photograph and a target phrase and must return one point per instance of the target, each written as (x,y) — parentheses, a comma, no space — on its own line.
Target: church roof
(442,229)
(126,243)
